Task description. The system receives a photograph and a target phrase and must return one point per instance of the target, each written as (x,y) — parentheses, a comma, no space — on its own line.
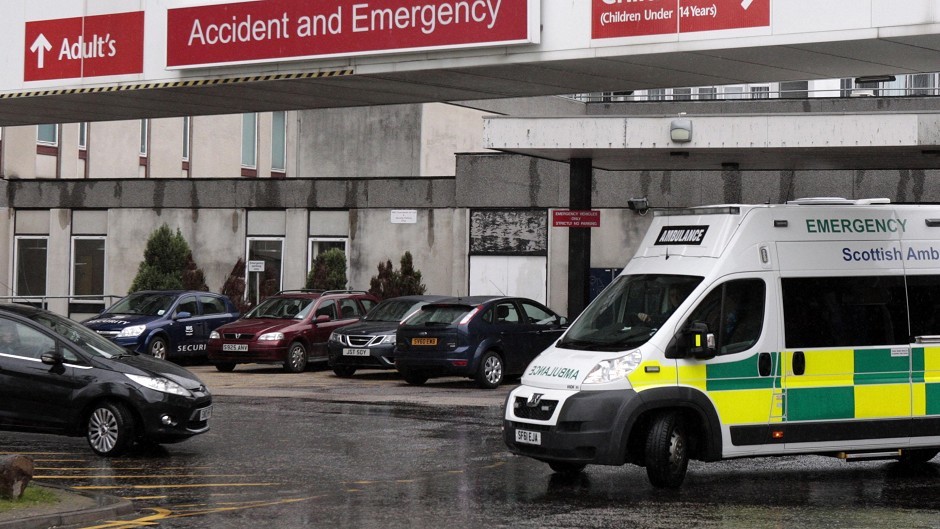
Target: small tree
(329,271)
(168,264)
(391,283)
(234,286)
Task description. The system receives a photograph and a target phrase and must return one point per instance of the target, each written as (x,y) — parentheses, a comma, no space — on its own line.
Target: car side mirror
(694,341)
(182,315)
(322,318)
(562,321)
(52,358)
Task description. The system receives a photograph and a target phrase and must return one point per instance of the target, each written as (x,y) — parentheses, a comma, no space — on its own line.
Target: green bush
(329,271)
(168,264)
(391,283)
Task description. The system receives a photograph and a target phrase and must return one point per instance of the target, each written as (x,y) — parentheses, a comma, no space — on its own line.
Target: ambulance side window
(923,293)
(844,311)
(734,313)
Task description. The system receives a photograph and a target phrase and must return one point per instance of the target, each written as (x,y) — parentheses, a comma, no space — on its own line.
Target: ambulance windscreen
(629,312)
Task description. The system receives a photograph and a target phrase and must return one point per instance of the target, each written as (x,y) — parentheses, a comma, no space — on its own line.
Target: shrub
(329,271)
(391,283)
(168,264)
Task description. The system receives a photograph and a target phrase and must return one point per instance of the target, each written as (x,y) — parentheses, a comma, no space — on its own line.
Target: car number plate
(205,413)
(424,341)
(355,352)
(235,347)
(528,437)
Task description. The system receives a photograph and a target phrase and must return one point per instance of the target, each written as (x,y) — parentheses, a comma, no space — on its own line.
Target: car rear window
(438,315)
(393,310)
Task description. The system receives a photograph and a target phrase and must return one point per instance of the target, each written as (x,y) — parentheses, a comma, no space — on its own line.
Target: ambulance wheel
(916,457)
(566,468)
(158,348)
(667,451)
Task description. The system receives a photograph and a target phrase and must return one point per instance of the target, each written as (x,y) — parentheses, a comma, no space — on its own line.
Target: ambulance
(811,327)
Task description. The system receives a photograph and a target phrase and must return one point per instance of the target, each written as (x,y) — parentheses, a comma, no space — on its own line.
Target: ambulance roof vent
(838,201)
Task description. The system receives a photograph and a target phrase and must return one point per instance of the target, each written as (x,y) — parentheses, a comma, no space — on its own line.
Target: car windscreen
(437,315)
(145,304)
(393,310)
(628,312)
(284,308)
(82,337)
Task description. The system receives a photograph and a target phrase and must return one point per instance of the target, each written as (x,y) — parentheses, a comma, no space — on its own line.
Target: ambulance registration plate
(528,437)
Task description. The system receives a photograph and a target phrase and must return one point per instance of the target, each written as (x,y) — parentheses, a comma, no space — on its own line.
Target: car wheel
(415,378)
(225,367)
(344,371)
(158,348)
(667,452)
(296,361)
(566,467)
(917,456)
(490,373)
(110,429)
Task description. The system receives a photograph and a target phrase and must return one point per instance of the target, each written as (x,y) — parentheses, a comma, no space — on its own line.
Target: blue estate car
(486,338)
(166,324)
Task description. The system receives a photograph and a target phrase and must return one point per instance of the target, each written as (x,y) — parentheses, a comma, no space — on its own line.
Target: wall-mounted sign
(572,218)
(635,18)
(278,30)
(90,46)
(404,216)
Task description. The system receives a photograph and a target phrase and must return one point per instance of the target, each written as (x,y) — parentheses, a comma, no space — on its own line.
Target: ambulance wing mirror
(694,341)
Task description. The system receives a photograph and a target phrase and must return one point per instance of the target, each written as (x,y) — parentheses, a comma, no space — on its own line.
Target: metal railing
(43,301)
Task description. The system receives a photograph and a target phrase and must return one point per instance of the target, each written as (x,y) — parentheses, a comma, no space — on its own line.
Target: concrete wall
(445,130)
(217,147)
(19,152)
(114,149)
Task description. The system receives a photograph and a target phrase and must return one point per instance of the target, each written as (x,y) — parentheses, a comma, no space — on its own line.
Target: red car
(291,328)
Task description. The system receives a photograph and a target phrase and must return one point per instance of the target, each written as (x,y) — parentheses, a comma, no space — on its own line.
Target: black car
(370,343)
(482,337)
(57,376)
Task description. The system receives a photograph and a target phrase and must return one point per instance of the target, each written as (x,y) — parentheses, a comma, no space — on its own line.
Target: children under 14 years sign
(276,30)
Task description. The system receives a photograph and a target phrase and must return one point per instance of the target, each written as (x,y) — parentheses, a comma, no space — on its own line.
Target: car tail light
(459,363)
(466,319)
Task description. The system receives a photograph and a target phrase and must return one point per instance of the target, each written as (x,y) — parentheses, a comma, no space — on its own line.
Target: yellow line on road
(159,486)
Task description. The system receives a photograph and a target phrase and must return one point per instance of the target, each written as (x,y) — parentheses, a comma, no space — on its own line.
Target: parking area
(319,383)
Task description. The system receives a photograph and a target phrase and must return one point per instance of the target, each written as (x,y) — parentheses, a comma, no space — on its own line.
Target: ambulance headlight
(614,369)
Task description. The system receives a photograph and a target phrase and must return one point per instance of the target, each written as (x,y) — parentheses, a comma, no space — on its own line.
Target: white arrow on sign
(40,46)
(746,4)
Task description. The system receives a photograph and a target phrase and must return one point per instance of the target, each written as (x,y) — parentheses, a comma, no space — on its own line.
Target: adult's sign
(89,46)
(277,30)
(635,18)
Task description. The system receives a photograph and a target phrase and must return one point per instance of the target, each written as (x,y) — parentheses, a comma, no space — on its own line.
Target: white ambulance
(749,330)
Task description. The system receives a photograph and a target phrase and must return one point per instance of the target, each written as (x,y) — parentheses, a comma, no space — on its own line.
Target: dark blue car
(166,324)
(485,338)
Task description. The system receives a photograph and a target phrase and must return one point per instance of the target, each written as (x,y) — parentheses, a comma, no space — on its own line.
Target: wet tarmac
(321,458)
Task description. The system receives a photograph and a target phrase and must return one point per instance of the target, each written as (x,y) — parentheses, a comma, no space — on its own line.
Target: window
(188,304)
(279,141)
(844,311)
(48,134)
(88,266)
(538,315)
(349,309)
(187,132)
(318,245)
(249,140)
(734,313)
(922,292)
(502,314)
(212,305)
(83,135)
(845,87)
(656,94)
(270,251)
(760,92)
(144,130)
(734,92)
(922,84)
(18,339)
(707,92)
(326,308)
(31,256)
(794,89)
(682,94)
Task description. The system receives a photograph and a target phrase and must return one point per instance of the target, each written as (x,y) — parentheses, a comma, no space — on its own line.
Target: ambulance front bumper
(582,427)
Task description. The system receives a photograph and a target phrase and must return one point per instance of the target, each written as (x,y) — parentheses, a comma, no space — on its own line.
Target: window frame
(73,264)
(18,239)
(249,290)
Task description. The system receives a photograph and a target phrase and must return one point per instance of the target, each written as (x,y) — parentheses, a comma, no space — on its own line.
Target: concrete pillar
(579,239)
